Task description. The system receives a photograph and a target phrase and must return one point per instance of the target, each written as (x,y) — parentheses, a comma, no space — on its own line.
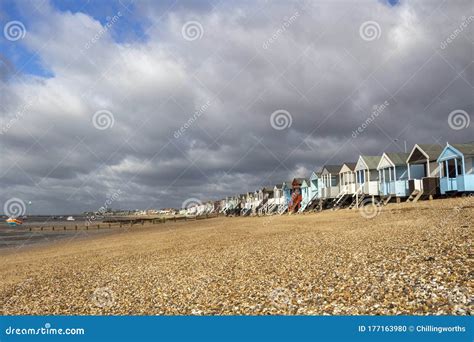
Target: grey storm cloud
(247,60)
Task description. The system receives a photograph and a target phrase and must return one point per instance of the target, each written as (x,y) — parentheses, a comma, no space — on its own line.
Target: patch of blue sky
(16,58)
(129,27)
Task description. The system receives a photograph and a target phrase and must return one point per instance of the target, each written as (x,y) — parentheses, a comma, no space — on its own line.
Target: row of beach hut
(427,172)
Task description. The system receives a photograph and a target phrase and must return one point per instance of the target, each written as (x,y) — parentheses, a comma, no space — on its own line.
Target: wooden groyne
(120,222)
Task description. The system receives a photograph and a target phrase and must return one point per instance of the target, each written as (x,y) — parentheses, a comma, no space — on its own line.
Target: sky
(149,104)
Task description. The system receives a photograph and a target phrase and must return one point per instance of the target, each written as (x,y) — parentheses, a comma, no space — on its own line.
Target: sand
(409,259)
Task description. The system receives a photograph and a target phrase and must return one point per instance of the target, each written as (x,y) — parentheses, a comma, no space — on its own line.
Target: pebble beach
(410,259)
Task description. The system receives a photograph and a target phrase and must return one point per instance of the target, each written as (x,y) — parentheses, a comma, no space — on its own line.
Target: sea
(14,238)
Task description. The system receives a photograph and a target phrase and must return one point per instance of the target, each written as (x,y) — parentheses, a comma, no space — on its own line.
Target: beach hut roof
(279,186)
(397,158)
(305,182)
(466,149)
(371,161)
(351,166)
(392,159)
(421,152)
(332,168)
(315,175)
(451,151)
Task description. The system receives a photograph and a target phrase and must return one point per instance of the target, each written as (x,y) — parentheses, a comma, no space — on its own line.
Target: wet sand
(21,238)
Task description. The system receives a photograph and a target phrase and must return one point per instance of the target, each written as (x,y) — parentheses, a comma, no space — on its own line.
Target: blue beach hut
(456,165)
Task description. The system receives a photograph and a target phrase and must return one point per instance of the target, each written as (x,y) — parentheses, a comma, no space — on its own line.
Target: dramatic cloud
(168,101)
